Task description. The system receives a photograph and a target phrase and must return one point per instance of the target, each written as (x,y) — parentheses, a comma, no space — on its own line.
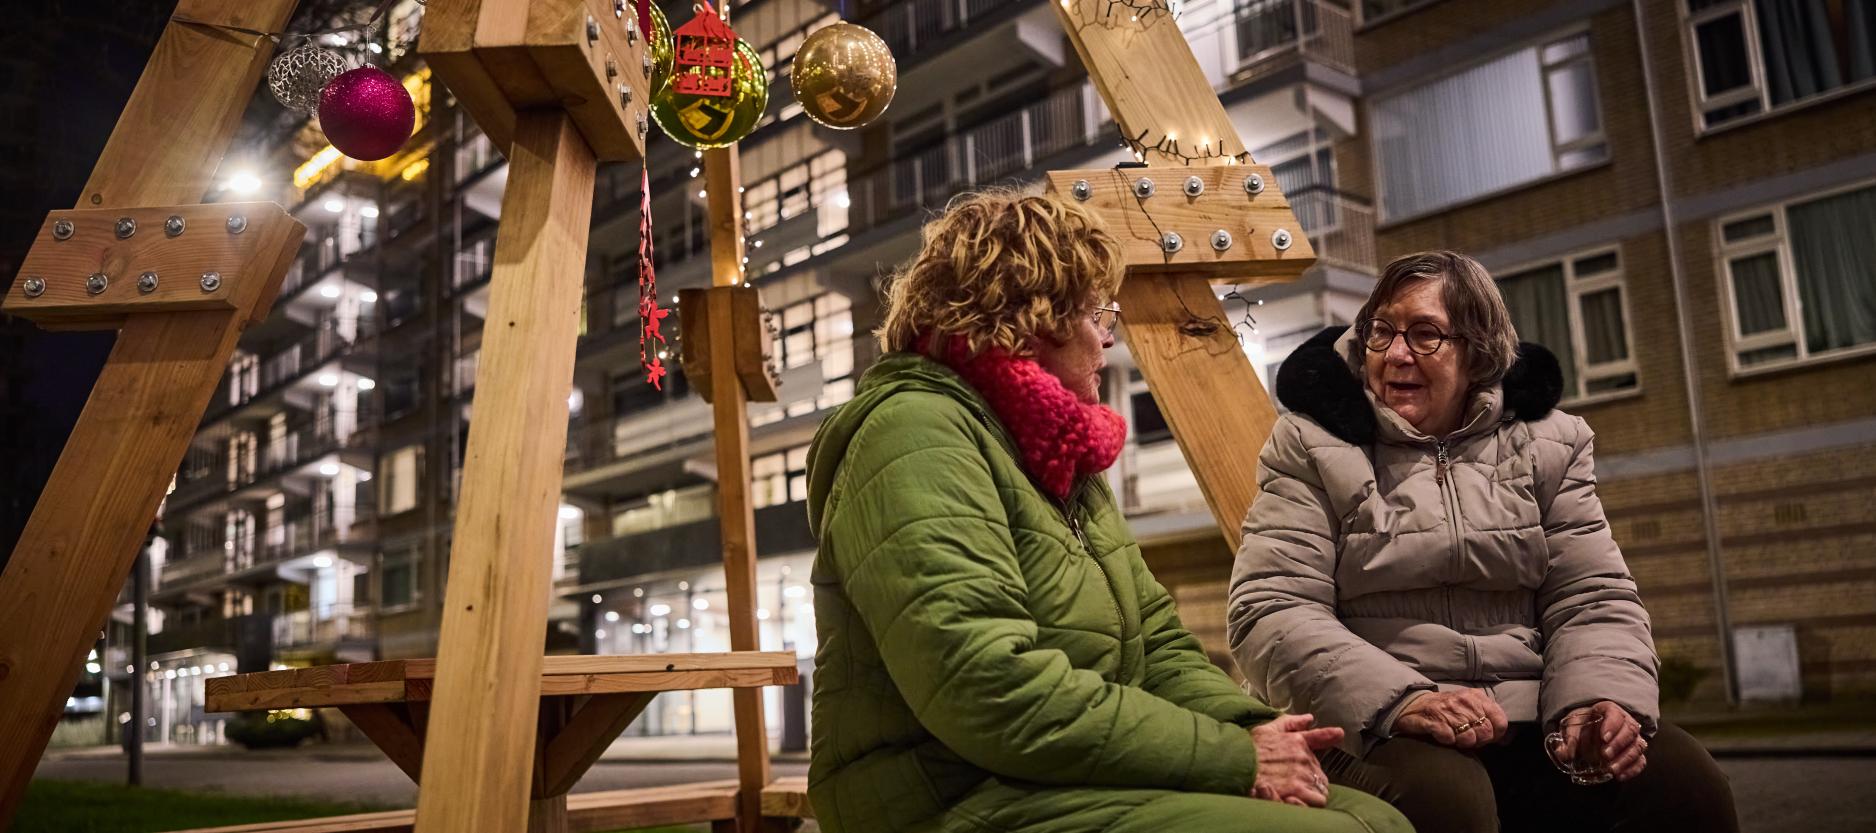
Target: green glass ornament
(706,122)
(661,51)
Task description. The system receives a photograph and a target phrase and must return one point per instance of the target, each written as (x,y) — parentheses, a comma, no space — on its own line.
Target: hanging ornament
(705,55)
(297,75)
(659,48)
(844,76)
(650,316)
(703,121)
(367,114)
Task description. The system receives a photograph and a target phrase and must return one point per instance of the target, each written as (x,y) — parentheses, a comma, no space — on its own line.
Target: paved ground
(1774,794)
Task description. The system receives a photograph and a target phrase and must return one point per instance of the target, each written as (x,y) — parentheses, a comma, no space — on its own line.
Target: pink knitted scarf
(1059,437)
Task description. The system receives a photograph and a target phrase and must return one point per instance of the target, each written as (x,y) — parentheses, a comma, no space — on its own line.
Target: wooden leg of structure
(548,815)
(1201,380)
(84,534)
(389,727)
(736,514)
(480,738)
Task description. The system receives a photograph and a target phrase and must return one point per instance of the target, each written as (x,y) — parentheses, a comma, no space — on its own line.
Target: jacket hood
(1322,382)
(894,373)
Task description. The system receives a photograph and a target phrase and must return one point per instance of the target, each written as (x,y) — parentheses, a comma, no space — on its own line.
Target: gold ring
(1471,724)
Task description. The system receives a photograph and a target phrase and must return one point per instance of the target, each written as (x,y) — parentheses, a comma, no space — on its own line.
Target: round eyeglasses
(1423,337)
(1106,318)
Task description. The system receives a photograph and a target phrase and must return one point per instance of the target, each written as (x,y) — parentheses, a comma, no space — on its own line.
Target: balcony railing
(913,26)
(998,148)
(326,626)
(331,339)
(1340,227)
(1320,30)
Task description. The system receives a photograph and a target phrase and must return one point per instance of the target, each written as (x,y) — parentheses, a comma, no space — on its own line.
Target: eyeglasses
(1423,337)
(1106,318)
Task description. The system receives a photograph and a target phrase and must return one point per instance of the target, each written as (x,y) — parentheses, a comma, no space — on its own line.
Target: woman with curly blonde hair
(994,655)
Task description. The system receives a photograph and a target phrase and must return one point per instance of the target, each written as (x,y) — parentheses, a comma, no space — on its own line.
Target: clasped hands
(1468,718)
(1287,769)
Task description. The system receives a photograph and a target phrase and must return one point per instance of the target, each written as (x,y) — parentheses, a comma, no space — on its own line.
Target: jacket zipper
(1449,496)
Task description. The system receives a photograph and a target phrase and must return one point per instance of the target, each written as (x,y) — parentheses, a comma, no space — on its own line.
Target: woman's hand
(1624,750)
(1287,769)
(1464,719)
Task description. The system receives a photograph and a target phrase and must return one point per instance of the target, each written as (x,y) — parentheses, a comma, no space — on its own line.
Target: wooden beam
(83,536)
(489,658)
(584,737)
(735,513)
(390,728)
(1173,324)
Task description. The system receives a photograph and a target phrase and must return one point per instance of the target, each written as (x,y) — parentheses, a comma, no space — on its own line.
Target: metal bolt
(173,226)
(211,281)
(625,96)
(35,287)
(642,127)
(1194,186)
(592,30)
(1171,242)
(237,224)
(126,227)
(97,283)
(1221,240)
(618,8)
(1083,190)
(1280,239)
(61,229)
(1143,188)
(612,68)
(1254,184)
(146,282)
(647,62)
(631,30)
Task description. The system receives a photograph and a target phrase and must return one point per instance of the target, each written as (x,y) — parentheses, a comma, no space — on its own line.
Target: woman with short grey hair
(1428,567)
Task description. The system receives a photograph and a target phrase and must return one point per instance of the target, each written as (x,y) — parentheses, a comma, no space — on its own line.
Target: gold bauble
(661,50)
(704,122)
(844,76)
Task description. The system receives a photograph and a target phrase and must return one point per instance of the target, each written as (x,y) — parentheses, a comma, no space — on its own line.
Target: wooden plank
(590,812)
(1212,399)
(569,754)
(1150,80)
(723,181)
(787,798)
(76,550)
(1252,221)
(742,678)
(548,815)
(634,663)
(489,658)
(306,698)
(390,729)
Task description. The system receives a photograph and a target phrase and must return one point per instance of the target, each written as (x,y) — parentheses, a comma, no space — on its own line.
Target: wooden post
(735,513)
(1173,324)
(480,739)
(84,533)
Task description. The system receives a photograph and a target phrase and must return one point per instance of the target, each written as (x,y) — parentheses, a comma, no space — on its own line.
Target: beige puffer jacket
(1378,561)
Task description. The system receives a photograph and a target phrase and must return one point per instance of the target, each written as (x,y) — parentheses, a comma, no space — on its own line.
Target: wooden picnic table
(585,702)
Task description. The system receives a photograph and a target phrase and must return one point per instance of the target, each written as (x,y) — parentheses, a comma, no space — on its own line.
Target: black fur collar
(1316,382)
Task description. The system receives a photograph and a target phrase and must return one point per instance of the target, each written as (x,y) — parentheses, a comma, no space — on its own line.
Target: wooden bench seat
(589,812)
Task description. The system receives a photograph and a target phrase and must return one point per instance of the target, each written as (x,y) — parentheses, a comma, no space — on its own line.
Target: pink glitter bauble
(366,113)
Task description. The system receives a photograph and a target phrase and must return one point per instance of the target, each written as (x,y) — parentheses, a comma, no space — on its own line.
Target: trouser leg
(1681,788)
(1436,787)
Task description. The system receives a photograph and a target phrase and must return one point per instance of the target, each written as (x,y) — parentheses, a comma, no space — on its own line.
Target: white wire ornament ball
(297,76)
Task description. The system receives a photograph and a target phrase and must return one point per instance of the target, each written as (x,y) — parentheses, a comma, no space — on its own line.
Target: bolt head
(1171,242)
(625,96)
(1254,184)
(146,282)
(618,8)
(1083,190)
(173,226)
(1280,239)
(211,281)
(126,227)
(592,30)
(612,67)
(237,224)
(1194,186)
(97,283)
(1143,187)
(35,287)
(61,229)
(1221,240)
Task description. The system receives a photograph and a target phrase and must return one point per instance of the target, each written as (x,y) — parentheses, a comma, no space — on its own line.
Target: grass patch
(54,806)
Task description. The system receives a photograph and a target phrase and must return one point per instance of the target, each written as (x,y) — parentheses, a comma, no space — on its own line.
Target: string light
(1169,147)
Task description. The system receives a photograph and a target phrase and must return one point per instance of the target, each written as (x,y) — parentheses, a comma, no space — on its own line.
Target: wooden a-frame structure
(560,85)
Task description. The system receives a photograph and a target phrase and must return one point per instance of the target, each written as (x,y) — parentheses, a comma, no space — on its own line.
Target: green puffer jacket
(982,666)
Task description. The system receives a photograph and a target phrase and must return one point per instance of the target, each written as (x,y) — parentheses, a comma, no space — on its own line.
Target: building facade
(1677,197)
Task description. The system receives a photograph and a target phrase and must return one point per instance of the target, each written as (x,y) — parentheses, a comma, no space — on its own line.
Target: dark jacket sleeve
(923,549)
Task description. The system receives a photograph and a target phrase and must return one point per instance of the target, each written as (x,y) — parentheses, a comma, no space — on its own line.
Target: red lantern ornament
(650,316)
(707,44)
(366,113)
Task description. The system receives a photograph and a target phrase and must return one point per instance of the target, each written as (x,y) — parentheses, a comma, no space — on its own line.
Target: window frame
(1385,221)
(1575,288)
(412,558)
(1695,72)
(1778,241)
